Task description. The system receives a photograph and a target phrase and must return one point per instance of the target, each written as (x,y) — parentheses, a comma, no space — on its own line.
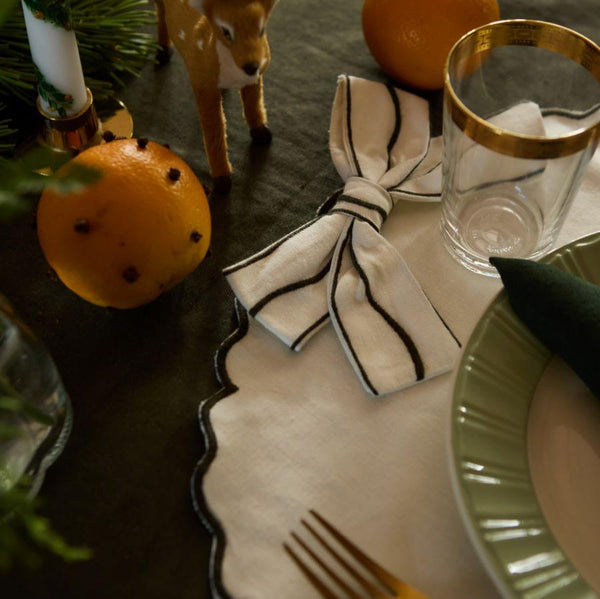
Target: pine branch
(6,8)
(112,46)
(7,133)
(26,537)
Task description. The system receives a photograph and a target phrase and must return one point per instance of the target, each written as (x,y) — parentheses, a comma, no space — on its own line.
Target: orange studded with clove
(134,234)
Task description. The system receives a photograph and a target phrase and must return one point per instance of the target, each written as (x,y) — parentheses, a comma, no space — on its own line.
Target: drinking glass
(35,411)
(521,122)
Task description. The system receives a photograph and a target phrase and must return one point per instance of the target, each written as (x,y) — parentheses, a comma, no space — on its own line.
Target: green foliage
(20,180)
(17,78)
(6,7)
(6,132)
(112,45)
(111,42)
(13,404)
(25,536)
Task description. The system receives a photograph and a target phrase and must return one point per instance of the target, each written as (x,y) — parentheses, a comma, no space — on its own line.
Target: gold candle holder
(77,132)
(67,136)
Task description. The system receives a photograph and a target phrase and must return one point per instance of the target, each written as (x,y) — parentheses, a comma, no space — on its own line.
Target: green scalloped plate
(495,383)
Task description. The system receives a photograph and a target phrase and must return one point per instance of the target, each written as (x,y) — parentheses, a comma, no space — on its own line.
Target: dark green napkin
(562,310)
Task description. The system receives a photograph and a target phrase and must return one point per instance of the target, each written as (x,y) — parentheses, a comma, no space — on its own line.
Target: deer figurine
(224,46)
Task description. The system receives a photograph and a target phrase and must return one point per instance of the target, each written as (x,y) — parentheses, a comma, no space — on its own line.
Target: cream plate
(525,453)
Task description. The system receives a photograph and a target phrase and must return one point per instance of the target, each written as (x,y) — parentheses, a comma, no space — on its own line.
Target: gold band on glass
(470,49)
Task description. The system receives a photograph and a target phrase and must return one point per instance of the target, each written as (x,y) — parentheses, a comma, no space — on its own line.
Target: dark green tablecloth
(136,377)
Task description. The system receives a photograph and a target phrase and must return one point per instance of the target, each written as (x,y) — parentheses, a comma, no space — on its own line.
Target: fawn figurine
(224,46)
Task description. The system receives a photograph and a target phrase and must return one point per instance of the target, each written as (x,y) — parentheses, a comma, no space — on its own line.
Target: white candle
(55,54)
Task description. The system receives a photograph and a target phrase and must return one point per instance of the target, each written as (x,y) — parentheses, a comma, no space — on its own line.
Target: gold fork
(389,585)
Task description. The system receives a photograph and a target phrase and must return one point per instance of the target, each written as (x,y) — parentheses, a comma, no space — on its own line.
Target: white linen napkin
(339,267)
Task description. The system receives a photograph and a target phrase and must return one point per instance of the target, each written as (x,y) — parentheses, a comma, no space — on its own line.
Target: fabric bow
(339,266)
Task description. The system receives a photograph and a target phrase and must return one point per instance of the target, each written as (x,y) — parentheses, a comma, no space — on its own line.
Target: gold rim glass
(521,122)
(471,52)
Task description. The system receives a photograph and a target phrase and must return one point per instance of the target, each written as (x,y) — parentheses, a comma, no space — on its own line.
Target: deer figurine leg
(212,120)
(255,113)
(224,46)
(166,49)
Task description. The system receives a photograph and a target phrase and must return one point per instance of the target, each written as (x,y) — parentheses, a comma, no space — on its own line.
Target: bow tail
(392,335)
(284,286)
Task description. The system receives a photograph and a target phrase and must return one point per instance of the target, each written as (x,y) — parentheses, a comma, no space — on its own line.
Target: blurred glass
(35,411)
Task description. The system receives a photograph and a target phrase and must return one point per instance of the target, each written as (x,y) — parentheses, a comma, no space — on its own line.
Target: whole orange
(410,39)
(138,231)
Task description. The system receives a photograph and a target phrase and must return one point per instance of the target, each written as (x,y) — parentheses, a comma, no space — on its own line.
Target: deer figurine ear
(198,5)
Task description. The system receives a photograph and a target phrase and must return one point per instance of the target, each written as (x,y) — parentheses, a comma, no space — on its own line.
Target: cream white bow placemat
(339,267)
(299,431)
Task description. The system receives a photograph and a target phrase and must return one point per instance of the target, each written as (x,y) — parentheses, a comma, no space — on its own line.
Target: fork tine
(312,577)
(364,583)
(389,580)
(326,568)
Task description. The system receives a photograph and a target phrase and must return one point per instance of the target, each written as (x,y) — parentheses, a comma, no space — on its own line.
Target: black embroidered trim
(268,250)
(349,125)
(475,187)
(414,168)
(355,215)
(287,288)
(443,321)
(329,202)
(352,200)
(573,114)
(551,111)
(398,123)
(396,326)
(311,328)
(397,187)
(336,273)
(513,180)
(436,165)
(208,519)
(416,194)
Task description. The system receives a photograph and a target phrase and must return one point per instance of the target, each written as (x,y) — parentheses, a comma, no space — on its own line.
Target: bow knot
(365,200)
(339,268)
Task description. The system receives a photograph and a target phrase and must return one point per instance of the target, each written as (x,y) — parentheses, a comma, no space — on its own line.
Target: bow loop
(377,132)
(389,330)
(365,200)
